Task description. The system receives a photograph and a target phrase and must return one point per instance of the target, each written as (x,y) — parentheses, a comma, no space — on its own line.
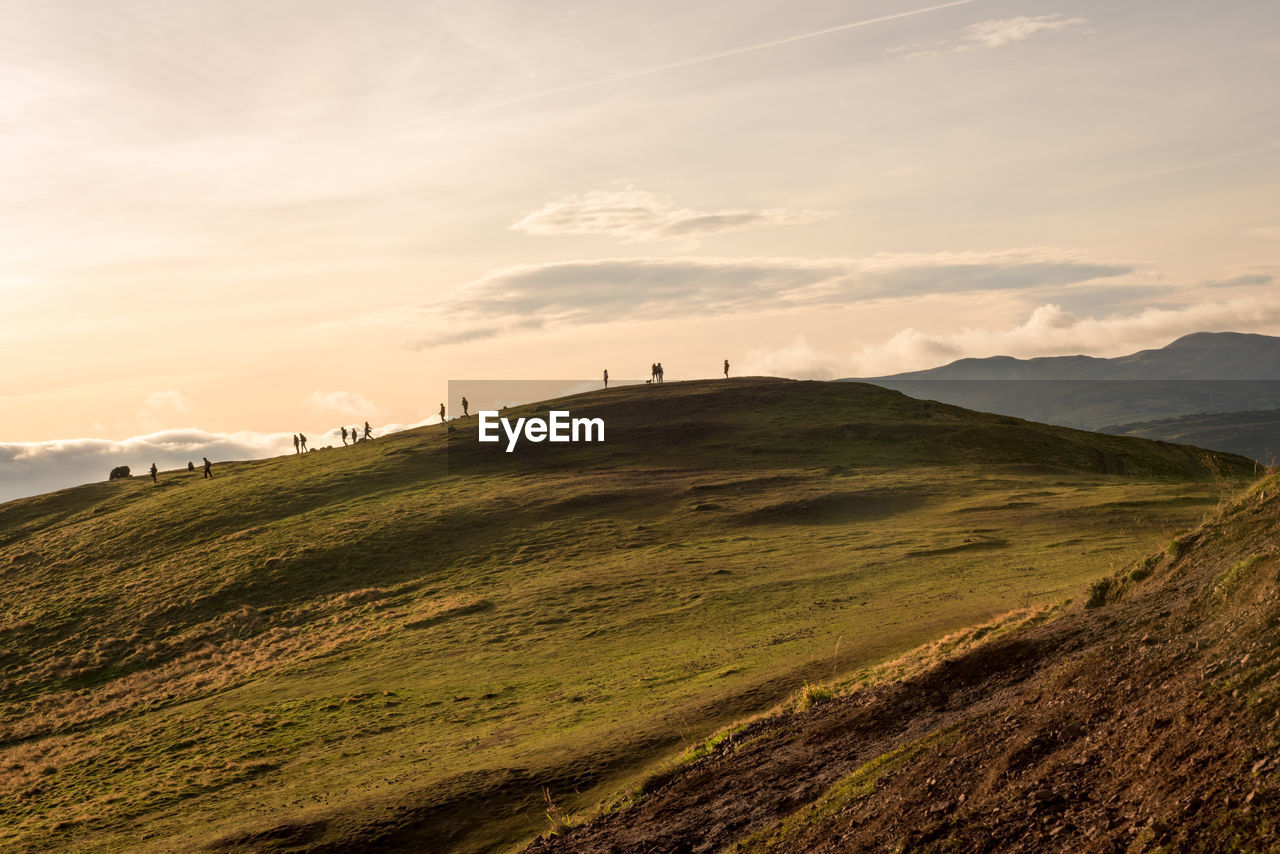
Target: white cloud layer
(30,468)
(567,293)
(634,215)
(797,359)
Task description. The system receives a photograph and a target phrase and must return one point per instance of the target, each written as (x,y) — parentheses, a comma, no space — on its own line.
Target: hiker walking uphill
(153,473)
(368,432)
(208,467)
(442,413)
(344,435)
(303,441)
(295,444)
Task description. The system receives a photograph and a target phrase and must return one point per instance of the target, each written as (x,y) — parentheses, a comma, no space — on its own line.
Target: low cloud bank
(31,468)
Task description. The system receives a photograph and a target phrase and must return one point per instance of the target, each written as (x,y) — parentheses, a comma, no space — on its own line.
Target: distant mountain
(1199,356)
(1250,434)
(1199,374)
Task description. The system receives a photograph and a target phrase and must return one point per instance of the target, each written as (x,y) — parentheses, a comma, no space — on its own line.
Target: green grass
(413,637)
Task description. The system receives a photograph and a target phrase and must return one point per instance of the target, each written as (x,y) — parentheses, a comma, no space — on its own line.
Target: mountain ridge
(1197,356)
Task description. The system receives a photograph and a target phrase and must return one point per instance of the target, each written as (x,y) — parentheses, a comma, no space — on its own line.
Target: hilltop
(1146,719)
(408,640)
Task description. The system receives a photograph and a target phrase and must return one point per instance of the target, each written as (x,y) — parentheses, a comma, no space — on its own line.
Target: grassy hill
(1253,434)
(1145,719)
(403,643)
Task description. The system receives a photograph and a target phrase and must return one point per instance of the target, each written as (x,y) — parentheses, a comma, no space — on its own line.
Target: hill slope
(1201,373)
(1149,722)
(405,641)
(1250,434)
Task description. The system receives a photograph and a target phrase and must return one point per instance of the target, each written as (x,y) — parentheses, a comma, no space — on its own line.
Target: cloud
(995,33)
(634,215)
(170,400)
(30,468)
(342,403)
(1006,31)
(797,360)
(1054,331)
(1243,280)
(530,297)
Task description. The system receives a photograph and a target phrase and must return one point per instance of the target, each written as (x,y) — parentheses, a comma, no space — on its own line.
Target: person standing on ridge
(344,435)
(726,369)
(303,440)
(295,444)
(464,407)
(368,432)
(659,366)
(153,473)
(606,377)
(653,372)
(442,413)
(208,468)
(355,436)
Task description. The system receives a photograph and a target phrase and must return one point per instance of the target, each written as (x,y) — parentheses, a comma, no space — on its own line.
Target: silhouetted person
(442,413)
(208,467)
(368,432)
(303,440)
(653,372)
(344,435)
(295,445)
(726,369)
(659,367)
(191,466)
(355,437)
(153,473)
(464,407)
(606,377)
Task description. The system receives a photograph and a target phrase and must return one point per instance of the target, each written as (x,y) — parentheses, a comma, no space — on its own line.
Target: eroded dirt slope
(1146,723)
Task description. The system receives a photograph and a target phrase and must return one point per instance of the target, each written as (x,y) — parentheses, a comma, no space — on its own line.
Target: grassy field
(408,640)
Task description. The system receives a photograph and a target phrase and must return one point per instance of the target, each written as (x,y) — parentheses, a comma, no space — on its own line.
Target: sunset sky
(259,218)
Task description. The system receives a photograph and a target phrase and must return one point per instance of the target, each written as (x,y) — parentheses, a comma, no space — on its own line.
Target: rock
(119,472)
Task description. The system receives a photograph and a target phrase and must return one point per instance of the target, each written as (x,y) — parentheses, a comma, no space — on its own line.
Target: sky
(229,221)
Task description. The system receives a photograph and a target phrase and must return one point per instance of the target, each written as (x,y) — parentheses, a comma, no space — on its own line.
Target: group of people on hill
(356,436)
(191,466)
(655,376)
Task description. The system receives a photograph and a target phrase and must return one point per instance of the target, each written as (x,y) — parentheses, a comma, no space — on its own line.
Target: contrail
(1187,167)
(698,60)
